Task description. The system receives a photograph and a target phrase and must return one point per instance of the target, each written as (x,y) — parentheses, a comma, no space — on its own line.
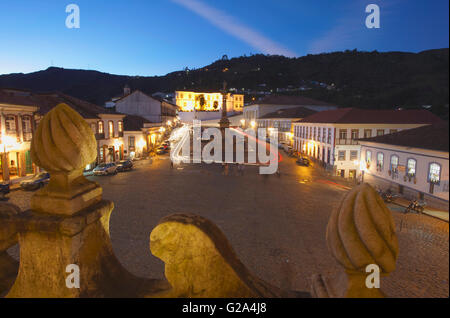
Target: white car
(104,169)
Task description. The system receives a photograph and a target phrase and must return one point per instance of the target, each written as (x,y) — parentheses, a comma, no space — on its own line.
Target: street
(275,224)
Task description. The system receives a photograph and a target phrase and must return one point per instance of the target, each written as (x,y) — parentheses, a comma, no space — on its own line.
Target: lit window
(120,126)
(368,156)
(101,129)
(411,166)
(380,161)
(434,174)
(111,129)
(10,123)
(394,163)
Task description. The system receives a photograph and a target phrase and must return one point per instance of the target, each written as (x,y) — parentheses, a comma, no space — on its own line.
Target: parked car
(303,161)
(4,190)
(36,182)
(161,150)
(104,169)
(124,165)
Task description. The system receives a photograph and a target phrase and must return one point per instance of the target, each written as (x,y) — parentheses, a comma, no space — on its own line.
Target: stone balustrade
(68,223)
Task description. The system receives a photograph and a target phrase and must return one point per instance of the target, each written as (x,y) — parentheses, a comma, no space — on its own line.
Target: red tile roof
(368,116)
(299,112)
(433,137)
(10,98)
(47,101)
(289,100)
(134,123)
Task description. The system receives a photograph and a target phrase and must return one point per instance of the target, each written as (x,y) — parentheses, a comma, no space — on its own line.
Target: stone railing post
(8,238)
(360,236)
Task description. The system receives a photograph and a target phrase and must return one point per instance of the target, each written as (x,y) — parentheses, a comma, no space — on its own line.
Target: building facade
(148,107)
(332,137)
(17,125)
(202,101)
(282,120)
(273,103)
(413,163)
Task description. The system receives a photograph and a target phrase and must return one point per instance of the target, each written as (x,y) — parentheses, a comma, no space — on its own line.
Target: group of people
(226,168)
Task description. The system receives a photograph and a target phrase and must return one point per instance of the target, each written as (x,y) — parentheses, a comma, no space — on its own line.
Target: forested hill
(350,79)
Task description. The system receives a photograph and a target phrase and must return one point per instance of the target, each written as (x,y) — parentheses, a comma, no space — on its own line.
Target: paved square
(275,224)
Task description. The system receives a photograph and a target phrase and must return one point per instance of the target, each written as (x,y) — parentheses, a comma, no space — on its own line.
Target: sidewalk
(442,215)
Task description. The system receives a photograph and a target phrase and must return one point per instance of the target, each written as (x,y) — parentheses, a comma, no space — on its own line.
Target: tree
(202,102)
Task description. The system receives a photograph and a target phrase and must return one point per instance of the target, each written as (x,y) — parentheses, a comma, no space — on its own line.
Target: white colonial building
(140,104)
(272,103)
(282,120)
(332,137)
(413,163)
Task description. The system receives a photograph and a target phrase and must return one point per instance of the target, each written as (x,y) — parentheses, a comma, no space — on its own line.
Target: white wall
(422,156)
(140,104)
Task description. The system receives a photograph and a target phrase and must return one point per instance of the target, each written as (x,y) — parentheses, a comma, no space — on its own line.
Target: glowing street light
(141,144)
(253,124)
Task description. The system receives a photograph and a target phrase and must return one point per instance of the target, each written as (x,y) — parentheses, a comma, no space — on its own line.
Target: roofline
(410,149)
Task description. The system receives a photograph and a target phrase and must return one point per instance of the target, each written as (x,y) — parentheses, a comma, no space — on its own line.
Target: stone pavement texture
(275,224)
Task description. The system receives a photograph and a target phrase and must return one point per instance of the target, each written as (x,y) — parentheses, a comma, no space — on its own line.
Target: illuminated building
(201,101)
(332,137)
(17,124)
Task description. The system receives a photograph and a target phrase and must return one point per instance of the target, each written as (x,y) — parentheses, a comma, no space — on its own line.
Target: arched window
(380,161)
(394,163)
(411,167)
(434,173)
(120,126)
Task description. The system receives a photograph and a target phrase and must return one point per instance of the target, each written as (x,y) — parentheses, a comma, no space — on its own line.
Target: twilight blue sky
(155,37)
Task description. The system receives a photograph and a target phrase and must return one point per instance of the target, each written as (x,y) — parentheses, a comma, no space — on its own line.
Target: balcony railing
(346,142)
(99,136)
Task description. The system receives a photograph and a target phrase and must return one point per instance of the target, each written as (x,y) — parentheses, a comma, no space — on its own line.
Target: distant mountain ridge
(361,79)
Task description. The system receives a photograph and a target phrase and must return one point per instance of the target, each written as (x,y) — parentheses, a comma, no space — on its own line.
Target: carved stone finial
(63,145)
(361,232)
